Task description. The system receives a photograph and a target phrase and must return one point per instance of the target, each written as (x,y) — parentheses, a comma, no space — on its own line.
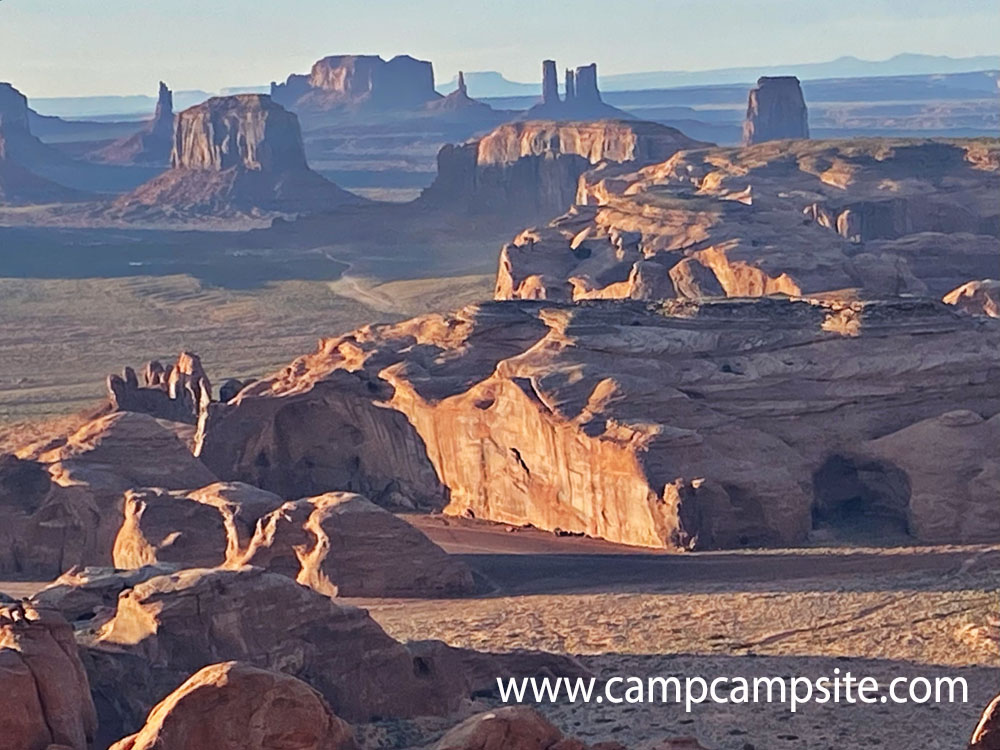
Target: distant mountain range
(493,84)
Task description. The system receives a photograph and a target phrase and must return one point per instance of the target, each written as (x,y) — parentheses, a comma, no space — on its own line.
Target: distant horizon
(440,80)
(120,48)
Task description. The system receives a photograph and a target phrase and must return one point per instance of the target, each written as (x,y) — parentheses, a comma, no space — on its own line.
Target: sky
(91,47)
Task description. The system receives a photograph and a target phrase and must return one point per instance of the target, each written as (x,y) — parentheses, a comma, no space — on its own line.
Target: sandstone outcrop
(533,168)
(359,82)
(339,544)
(776,110)
(169,627)
(176,392)
(20,153)
(459,102)
(233,706)
(582,101)
(85,593)
(45,701)
(800,218)
(977,297)
(235,155)
(672,425)
(152,144)
(987,733)
(60,502)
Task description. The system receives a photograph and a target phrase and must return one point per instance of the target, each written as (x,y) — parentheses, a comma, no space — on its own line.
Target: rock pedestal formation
(176,392)
(359,82)
(800,218)
(153,144)
(235,154)
(534,168)
(233,706)
(45,701)
(776,110)
(672,425)
(582,100)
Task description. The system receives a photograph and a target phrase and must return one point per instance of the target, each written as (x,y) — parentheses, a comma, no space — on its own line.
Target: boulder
(675,425)
(234,706)
(510,728)
(45,700)
(168,627)
(234,156)
(776,110)
(977,297)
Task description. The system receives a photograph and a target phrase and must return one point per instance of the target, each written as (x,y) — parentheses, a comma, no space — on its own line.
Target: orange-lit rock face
(977,297)
(891,217)
(45,700)
(533,168)
(233,706)
(679,425)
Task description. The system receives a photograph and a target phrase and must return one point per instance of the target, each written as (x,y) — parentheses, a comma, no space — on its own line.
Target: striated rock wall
(359,82)
(776,110)
(678,426)
(534,167)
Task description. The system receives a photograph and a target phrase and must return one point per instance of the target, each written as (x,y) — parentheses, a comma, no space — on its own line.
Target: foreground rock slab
(233,706)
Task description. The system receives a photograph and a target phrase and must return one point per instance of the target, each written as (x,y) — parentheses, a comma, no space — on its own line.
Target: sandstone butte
(677,424)
(234,155)
(533,168)
(152,144)
(776,110)
(888,216)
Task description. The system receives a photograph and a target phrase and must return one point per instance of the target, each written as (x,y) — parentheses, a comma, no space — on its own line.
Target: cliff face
(676,425)
(236,154)
(359,82)
(151,145)
(805,217)
(534,167)
(776,110)
(13,109)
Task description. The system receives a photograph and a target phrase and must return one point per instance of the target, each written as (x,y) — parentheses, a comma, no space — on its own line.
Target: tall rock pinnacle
(550,84)
(570,85)
(776,110)
(586,84)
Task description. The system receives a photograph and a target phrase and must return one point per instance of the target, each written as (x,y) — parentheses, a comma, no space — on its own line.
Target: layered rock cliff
(533,168)
(359,82)
(675,425)
(776,110)
(153,144)
(887,216)
(235,154)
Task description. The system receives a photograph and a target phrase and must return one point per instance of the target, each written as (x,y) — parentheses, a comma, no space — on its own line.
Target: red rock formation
(60,504)
(533,168)
(172,626)
(459,102)
(550,84)
(359,82)
(233,706)
(235,155)
(151,145)
(177,392)
(776,110)
(805,217)
(338,544)
(677,425)
(977,297)
(583,100)
(45,701)
(987,733)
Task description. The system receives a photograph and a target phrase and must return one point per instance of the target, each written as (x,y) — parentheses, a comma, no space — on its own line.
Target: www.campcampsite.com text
(794,692)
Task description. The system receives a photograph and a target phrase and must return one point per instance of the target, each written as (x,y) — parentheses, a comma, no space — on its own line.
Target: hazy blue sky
(75,47)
